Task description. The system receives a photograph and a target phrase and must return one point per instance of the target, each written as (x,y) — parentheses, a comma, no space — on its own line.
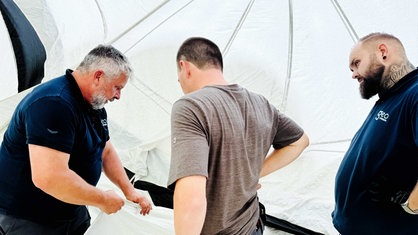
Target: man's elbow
(197,204)
(42,181)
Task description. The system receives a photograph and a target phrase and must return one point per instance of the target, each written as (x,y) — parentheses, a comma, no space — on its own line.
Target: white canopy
(293,52)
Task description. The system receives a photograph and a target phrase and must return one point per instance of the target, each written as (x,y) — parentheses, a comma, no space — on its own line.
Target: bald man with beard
(376,188)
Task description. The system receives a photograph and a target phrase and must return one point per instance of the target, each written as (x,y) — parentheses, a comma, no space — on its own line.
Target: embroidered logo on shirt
(382,116)
(174,140)
(51,131)
(104,122)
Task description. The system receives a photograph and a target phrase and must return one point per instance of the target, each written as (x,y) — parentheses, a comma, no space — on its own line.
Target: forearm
(282,157)
(413,198)
(113,169)
(189,205)
(69,187)
(51,174)
(188,217)
(118,176)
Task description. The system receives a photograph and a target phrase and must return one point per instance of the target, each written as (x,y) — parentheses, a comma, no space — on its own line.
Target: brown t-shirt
(224,133)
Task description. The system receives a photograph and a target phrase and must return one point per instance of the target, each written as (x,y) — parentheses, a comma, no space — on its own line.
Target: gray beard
(98,101)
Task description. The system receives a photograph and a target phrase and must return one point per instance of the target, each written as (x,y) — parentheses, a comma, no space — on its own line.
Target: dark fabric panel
(283,225)
(29,51)
(162,196)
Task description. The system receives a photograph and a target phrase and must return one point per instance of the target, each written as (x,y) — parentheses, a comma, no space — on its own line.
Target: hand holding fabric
(141,200)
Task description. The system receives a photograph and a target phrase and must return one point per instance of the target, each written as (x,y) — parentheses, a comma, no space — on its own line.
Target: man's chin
(98,106)
(366,95)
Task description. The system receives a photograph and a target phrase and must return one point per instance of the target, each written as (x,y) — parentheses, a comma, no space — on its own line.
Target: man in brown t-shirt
(221,134)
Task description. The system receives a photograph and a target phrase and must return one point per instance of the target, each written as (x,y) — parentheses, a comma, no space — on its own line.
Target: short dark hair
(201,52)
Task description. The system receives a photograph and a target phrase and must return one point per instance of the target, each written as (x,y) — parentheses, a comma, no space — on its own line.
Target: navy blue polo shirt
(385,145)
(54,115)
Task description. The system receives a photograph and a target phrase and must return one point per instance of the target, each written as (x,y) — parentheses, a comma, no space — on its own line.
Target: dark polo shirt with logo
(385,147)
(54,115)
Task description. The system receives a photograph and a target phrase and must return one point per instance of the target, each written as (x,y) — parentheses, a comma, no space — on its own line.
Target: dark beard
(371,84)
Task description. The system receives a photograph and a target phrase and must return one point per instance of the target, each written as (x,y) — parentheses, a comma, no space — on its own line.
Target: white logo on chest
(382,116)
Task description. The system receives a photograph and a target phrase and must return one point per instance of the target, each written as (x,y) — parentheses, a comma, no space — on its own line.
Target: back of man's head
(202,52)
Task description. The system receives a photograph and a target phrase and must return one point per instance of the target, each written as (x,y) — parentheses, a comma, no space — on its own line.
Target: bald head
(381,43)
(376,37)
(378,61)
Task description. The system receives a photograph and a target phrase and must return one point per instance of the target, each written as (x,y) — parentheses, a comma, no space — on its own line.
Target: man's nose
(355,75)
(117,95)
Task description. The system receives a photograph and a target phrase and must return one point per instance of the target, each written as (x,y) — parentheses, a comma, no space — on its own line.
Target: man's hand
(143,202)
(383,190)
(112,202)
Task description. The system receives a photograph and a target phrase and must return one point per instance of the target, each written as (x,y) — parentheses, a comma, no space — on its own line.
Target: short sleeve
(50,122)
(189,146)
(288,131)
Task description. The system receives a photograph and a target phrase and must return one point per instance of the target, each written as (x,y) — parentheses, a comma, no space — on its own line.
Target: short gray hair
(106,58)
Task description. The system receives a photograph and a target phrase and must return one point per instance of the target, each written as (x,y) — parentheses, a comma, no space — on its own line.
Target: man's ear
(383,51)
(185,67)
(181,65)
(97,75)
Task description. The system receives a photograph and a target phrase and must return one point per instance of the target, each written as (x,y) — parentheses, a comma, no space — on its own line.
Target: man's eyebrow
(353,62)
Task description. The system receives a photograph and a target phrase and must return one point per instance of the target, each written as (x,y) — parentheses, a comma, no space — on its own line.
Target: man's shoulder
(53,95)
(50,87)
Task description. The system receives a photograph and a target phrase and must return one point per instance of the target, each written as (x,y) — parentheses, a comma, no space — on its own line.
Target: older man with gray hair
(56,146)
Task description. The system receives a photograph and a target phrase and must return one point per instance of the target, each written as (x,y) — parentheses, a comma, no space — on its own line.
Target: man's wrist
(408,210)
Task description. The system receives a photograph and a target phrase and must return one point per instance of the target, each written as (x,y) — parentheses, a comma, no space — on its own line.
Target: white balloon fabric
(128,221)
(293,52)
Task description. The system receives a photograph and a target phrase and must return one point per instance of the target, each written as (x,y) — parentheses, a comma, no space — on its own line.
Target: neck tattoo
(396,72)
